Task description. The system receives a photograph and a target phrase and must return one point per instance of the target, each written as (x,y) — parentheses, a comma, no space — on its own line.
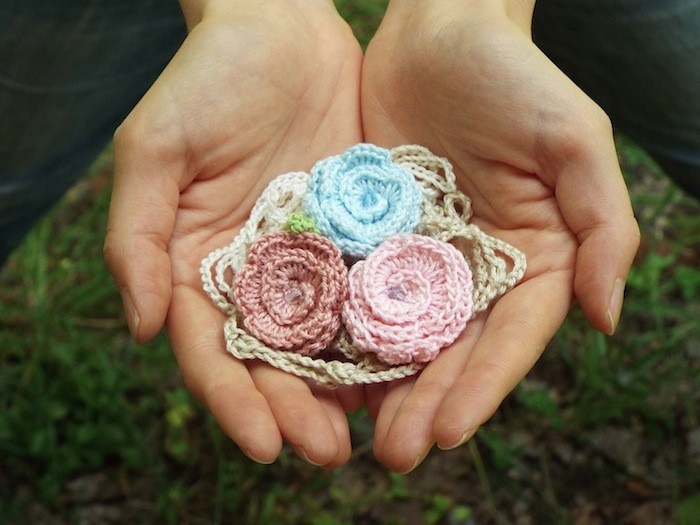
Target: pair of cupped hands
(261,88)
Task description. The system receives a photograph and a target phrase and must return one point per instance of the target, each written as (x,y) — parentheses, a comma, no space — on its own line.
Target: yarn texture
(409,299)
(361,197)
(291,291)
(424,269)
(300,223)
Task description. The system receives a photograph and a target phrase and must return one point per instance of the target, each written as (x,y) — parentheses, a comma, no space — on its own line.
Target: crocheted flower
(361,197)
(409,299)
(291,291)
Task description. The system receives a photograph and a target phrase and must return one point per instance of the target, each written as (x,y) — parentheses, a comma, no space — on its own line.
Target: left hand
(257,89)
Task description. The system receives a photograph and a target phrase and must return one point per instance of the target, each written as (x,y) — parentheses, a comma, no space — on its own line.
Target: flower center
(368,199)
(397,293)
(293,295)
(364,194)
(404,293)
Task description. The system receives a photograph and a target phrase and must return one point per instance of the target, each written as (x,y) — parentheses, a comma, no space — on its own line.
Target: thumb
(141,219)
(594,201)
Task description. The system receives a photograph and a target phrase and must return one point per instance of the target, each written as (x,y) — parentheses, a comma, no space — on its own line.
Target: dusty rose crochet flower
(409,299)
(291,291)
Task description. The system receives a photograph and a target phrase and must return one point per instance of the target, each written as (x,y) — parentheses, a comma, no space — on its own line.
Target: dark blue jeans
(640,61)
(71,71)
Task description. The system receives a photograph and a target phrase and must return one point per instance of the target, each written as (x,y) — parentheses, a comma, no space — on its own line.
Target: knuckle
(109,252)
(126,134)
(487,381)
(586,130)
(633,235)
(572,136)
(156,138)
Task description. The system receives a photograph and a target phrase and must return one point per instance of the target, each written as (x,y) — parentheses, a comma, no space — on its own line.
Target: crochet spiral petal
(361,197)
(409,299)
(291,291)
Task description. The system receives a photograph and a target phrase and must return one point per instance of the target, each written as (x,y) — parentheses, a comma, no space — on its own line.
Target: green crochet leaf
(300,223)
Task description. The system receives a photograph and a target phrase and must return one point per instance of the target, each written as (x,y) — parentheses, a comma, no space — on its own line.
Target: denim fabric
(640,61)
(69,74)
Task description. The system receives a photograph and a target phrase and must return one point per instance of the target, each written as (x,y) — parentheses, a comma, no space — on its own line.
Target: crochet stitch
(443,215)
(361,197)
(409,299)
(291,291)
(300,223)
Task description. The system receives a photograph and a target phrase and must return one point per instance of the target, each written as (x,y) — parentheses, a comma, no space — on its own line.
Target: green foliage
(503,453)
(688,512)
(541,400)
(398,489)
(180,411)
(438,508)
(363,16)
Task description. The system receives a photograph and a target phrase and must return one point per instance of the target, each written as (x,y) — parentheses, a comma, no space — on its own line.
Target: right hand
(257,89)
(537,157)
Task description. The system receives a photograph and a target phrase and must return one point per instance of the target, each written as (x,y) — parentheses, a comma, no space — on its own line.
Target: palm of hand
(487,103)
(239,104)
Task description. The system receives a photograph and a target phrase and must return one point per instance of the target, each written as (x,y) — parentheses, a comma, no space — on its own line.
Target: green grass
(96,429)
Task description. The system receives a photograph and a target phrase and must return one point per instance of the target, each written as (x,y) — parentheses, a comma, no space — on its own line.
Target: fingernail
(615,304)
(253,458)
(302,454)
(132,316)
(465,437)
(418,461)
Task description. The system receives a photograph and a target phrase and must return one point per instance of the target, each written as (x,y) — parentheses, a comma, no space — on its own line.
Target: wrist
(518,12)
(195,11)
(192,10)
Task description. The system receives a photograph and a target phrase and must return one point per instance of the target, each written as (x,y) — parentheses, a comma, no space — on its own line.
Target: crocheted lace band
(418,269)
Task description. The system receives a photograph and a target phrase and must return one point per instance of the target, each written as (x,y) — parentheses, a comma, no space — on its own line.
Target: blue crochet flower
(361,197)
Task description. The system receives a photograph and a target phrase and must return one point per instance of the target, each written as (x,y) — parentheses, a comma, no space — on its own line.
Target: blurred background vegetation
(95,429)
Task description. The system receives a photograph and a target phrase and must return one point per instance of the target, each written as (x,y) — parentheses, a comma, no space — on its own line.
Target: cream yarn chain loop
(330,373)
(443,221)
(496,267)
(282,197)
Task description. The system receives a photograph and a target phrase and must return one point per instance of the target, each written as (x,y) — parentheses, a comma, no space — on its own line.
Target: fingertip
(601,300)
(392,398)
(315,460)
(405,467)
(320,451)
(602,263)
(330,401)
(133,319)
(452,439)
(265,457)
(144,278)
(471,403)
(301,418)
(615,305)
(410,435)
(150,315)
(253,428)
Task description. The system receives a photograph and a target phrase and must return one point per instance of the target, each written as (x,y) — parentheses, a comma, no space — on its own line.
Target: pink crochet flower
(409,299)
(291,291)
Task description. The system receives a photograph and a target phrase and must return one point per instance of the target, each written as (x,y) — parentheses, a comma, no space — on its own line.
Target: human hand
(537,158)
(257,89)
